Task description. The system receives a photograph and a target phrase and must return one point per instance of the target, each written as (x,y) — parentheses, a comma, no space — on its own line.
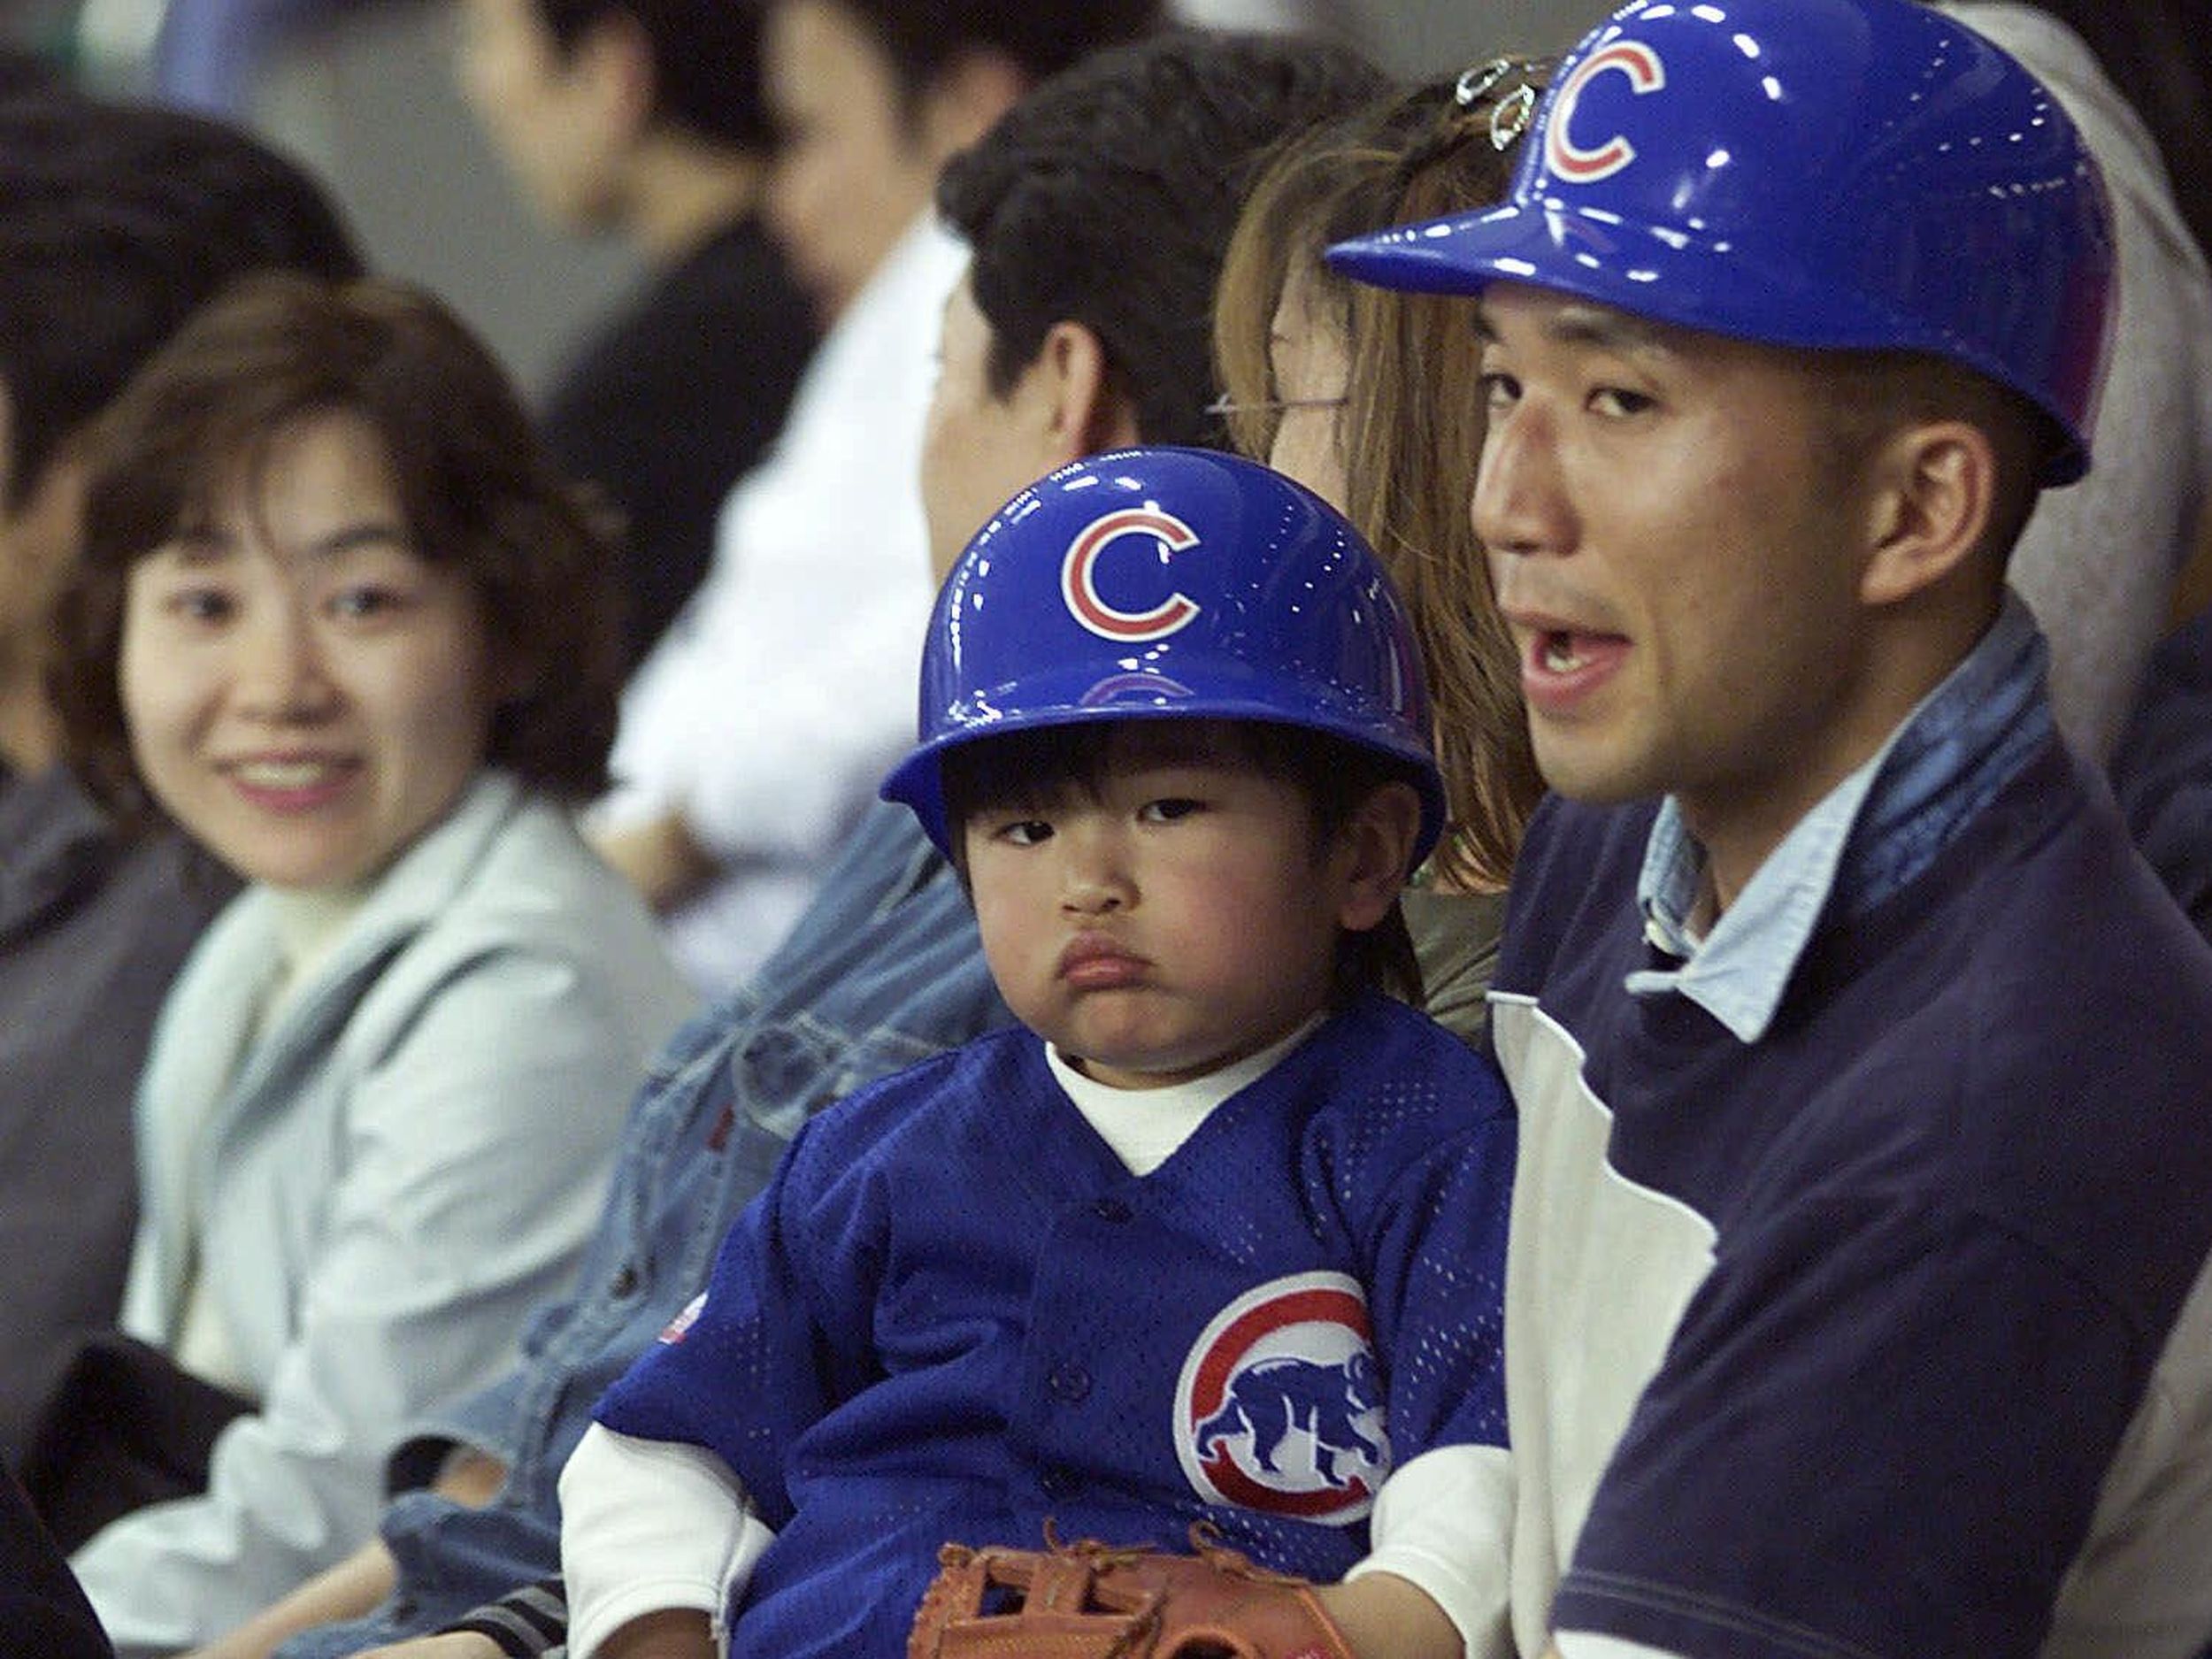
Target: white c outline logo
(1081,594)
(1570,160)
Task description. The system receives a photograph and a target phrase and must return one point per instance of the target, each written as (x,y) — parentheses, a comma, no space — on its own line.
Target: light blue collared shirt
(1868,836)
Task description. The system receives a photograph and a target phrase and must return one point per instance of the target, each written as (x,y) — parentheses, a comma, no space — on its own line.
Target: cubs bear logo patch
(1279,1407)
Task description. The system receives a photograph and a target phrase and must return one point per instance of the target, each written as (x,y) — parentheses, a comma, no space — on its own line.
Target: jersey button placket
(1069,1383)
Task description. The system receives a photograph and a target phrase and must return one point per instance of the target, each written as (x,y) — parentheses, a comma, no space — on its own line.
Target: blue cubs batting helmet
(1865,174)
(1169,584)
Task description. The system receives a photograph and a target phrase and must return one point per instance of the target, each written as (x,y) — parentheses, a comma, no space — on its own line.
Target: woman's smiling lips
(291,781)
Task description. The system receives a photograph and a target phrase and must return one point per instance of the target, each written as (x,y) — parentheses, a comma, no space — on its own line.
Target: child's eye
(1169,808)
(1026,832)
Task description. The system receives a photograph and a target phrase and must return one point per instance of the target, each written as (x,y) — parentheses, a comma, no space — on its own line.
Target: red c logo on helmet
(1081,593)
(1570,160)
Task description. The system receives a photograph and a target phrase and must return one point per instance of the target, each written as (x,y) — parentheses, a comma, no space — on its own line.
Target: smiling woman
(304,692)
(339,621)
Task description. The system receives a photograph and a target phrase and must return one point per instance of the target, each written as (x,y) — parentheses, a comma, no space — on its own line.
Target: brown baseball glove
(1092,1600)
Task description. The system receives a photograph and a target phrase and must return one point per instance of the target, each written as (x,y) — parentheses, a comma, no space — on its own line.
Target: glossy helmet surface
(1865,174)
(1167,584)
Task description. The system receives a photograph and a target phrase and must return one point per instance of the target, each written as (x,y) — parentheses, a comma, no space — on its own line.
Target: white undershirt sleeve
(647,1526)
(1444,1523)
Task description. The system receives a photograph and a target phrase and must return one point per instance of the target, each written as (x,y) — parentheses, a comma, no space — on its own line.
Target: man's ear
(1373,854)
(966,99)
(1932,495)
(1083,411)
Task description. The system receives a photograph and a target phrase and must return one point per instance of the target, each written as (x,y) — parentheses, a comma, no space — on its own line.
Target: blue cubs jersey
(956,1315)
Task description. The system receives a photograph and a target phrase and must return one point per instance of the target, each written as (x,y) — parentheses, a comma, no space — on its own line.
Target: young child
(1216,1236)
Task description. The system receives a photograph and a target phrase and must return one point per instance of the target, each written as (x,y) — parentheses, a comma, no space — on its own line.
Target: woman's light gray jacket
(378,1186)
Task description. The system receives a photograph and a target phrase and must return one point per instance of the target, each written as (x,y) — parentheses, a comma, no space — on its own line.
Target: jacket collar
(228,981)
(1870,836)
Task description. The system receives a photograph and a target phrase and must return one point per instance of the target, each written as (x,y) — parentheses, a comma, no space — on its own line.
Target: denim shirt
(1870,835)
(884,969)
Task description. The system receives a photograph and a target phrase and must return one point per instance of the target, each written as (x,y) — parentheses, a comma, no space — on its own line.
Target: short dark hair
(1108,195)
(480,492)
(117,222)
(1866,397)
(923,38)
(1336,777)
(706,60)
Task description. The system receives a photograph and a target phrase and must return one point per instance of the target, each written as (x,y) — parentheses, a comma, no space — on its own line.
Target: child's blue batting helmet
(1168,583)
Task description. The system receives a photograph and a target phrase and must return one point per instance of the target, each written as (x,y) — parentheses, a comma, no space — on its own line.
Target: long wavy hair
(1411,427)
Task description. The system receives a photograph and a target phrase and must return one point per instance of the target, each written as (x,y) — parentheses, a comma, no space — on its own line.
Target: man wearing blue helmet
(1215,1241)
(1857,1301)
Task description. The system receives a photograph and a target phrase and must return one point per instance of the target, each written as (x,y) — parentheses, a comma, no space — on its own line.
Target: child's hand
(1384,1616)
(677,1633)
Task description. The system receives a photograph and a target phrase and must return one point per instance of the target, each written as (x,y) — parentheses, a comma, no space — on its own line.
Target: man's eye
(1619,401)
(1499,390)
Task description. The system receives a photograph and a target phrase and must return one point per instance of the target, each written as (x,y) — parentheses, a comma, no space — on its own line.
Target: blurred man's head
(569,90)
(1098,211)
(871,98)
(117,222)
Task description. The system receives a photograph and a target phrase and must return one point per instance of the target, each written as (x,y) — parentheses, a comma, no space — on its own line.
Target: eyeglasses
(1228,407)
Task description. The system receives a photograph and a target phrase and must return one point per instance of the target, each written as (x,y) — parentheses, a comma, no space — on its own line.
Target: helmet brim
(917,783)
